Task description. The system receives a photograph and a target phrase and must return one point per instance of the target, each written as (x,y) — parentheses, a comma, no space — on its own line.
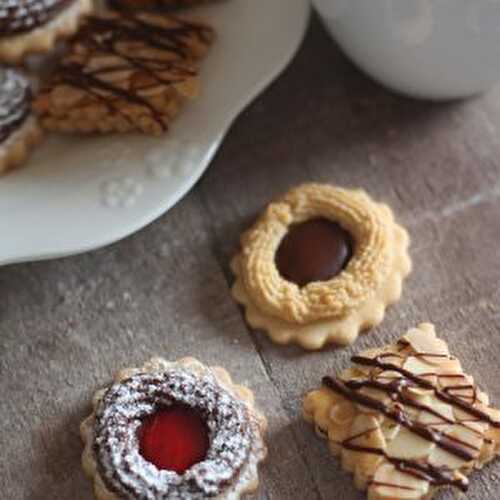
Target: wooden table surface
(66,326)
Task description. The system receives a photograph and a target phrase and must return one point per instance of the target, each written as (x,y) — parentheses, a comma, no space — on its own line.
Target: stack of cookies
(128,68)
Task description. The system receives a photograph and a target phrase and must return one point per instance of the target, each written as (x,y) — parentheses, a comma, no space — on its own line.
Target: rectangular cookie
(405,419)
(123,72)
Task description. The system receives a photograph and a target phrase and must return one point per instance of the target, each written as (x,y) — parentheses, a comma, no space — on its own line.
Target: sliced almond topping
(389,483)
(419,394)
(338,433)
(468,438)
(421,369)
(343,413)
(428,328)
(373,393)
(352,374)
(317,404)
(394,358)
(371,353)
(424,342)
(388,376)
(409,445)
(449,366)
(389,429)
(441,458)
(365,434)
(442,421)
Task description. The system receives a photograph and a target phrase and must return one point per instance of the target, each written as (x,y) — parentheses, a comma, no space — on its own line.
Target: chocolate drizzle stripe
(442,395)
(428,472)
(447,443)
(87,82)
(394,390)
(102,36)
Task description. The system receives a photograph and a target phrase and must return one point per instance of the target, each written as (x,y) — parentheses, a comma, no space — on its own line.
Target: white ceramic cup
(434,49)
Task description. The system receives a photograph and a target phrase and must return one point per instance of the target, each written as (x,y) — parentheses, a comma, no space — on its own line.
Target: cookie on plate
(18,127)
(125,72)
(320,265)
(154,4)
(405,419)
(173,430)
(28,26)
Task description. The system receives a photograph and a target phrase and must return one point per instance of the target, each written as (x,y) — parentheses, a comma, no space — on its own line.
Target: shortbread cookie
(125,72)
(320,265)
(28,26)
(406,419)
(154,4)
(173,430)
(18,128)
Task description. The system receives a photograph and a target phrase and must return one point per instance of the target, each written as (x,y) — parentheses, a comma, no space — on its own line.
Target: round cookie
(173,430)
(320,265)
(28,26)
(18,127)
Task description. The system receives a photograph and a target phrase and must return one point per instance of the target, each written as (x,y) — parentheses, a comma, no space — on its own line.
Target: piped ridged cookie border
(19,144)
(370,224)
(222,377)
(338,329)
(343,331)
(42,39)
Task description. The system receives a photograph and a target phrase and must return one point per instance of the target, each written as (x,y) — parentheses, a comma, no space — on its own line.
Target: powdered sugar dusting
(15,99)
(235,442)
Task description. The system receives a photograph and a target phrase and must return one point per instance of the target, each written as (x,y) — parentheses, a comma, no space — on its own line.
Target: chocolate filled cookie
(18,128)
(320,265)
(173,430)
(28,26)
(125,72)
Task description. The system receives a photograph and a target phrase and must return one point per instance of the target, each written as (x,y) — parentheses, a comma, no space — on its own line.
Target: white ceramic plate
(79,193)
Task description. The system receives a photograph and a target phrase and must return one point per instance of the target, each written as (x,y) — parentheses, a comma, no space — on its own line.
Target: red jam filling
(174,438)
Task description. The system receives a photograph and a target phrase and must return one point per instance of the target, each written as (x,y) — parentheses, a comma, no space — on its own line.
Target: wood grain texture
(66,326)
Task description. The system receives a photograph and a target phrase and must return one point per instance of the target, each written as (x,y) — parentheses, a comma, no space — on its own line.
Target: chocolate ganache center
(15,101)
(315,250)
(129,416)
(21,16)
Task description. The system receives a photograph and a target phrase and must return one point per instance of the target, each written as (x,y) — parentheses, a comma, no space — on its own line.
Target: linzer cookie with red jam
(28,26)
(320,265)
(405,419)
(18,128)
(125,72)
(153,4)
(173,430)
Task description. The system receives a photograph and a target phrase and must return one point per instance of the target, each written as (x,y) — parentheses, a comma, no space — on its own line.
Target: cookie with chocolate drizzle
(173,430)
(18,128)
(125,72)
(28,26)
(321,264)
(406,419)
